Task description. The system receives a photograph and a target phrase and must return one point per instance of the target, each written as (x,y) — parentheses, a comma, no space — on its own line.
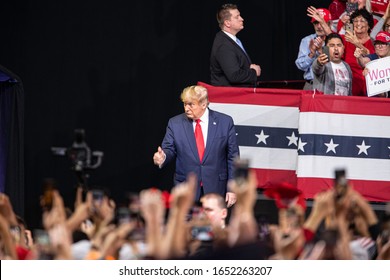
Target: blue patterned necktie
(240,44)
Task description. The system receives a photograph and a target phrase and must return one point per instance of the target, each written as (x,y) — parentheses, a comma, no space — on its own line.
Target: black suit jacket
(229,64)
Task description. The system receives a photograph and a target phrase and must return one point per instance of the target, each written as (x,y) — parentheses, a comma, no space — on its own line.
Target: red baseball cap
(324,13)
(284,193)
(383,37)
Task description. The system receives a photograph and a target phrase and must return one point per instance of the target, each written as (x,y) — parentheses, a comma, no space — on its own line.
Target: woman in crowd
(345,18)
(362,22)
(382,49)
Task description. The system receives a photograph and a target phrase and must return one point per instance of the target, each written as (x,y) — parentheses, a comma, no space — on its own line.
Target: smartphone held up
(241,171)
(349,27)
(341,183)
(325,50)
(350,8)
(97,197)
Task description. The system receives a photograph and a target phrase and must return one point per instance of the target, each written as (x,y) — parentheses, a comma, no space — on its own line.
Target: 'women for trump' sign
(378,77)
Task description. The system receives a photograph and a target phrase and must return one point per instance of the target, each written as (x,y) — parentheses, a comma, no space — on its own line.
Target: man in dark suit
(211,156)
(230,64)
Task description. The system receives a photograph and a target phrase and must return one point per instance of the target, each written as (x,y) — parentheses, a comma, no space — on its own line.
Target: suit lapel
(212,129)
(189,133)
(237,46)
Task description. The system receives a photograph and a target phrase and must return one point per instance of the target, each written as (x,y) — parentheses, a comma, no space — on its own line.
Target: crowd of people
(362,34)
(154,225)
(340,68)
(210,211)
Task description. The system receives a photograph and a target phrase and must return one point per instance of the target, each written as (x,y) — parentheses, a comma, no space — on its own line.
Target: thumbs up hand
(159,157)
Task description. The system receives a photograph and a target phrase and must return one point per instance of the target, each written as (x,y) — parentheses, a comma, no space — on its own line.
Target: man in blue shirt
(309,46)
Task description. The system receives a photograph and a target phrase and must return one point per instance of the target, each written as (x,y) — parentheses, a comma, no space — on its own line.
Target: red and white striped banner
(301,138)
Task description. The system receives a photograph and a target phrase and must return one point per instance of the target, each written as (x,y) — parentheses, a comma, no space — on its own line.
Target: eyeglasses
(387,26)
(380,45)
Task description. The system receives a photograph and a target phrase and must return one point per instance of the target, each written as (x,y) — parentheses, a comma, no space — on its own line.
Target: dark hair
(365,14)
(224,13)
(21,221)
(332,36)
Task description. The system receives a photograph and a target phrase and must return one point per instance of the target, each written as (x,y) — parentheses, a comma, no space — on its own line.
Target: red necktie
(199,139)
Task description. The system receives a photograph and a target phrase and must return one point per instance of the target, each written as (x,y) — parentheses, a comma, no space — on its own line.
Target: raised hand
(153,211)
(6,210)
(159,157)
(313,13)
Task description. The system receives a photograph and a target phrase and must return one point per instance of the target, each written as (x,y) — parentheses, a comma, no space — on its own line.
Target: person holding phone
(344,22)
(332,75)
(310,45)
(363,22)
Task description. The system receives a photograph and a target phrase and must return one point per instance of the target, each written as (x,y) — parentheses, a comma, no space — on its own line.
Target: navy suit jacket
(216,167)
(229,64)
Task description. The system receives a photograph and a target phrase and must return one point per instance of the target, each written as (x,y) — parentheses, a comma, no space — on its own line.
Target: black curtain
(11,138)
(116,68)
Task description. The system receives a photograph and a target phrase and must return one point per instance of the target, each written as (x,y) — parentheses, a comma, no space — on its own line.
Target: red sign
(379,6)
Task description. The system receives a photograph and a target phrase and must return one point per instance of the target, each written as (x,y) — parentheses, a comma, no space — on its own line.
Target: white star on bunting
(363,148)
(292,139)
(331,146)
(301,145)
(261,137)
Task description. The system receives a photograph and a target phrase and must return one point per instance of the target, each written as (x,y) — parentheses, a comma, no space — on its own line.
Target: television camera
(81,156)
